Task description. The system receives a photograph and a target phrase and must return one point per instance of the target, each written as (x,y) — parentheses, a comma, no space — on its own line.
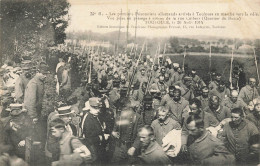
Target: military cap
(15,106)
(94,102)
(65,110)
(176,65)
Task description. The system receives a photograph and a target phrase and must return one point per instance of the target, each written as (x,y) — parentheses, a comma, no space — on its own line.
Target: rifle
(134,71)
(257,72)
(231,68)
(150,77)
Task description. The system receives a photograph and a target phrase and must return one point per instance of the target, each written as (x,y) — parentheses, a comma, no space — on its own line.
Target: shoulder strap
(83,121)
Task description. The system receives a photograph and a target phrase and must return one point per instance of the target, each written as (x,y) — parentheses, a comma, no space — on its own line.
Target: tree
(27,27)
(174,42)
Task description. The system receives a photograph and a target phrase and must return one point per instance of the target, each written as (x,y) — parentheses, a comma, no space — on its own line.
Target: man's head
(218,77)
(221,86)
(195,125)
(234,96)
(163,70)
(205,92)
(179,70)
(155,67)
(214,102)
(42,71)
(163,113)
(195,105)
(176,94)
(161,79)
(193,72)
(252,82)
(187,80)
(171,90)
(95,105)
(57,127)
(236,116)
(146,135)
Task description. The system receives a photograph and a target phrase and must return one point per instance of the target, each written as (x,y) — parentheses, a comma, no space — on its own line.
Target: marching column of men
(131,112)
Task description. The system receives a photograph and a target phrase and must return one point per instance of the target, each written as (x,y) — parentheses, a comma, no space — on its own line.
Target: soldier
(177,105)
(236,135)
(94,132)
(233,101)
(204,148)
(204,97)
(138,95)
(151,152)
(195,108)
(218,111)
(33,100)
(197,82)
(221,91)
(160,85)
(167,80)
(125,134)
(249,92)
(177,76)
(186,88)
(163,125)
(16,129)
(22,82)
(254,117)
(214,84)
(149,113)
(142,77)
(155,73)
(65,85)
(72,151)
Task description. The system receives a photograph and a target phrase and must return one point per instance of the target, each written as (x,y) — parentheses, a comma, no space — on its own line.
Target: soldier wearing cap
(141,77)
(160,85)
(186,88)
(204,97)
(249,92)
(71,150)
(233,101)
(177,76)
(214,84)
(221,91)
(197,82)
(215,108)
(17,128)
(94,131)
(33,100)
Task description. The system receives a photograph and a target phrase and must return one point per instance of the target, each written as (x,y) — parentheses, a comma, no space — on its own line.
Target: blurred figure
(151,152)
(249,92)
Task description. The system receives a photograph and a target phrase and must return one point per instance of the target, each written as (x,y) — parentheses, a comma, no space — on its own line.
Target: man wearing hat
(160,85)
(52,144)
(72,151)
(22,82)
(94,131)
(33,99)
(177,76)
(214,84)
(141,77)
(186,88)
(16,129)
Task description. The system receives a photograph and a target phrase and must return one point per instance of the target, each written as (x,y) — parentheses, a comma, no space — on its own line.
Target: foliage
(30,26)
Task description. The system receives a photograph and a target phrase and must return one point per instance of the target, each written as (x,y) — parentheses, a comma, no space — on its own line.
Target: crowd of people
(127,110)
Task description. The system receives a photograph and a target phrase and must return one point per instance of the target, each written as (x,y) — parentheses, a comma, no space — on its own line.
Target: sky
(247,27)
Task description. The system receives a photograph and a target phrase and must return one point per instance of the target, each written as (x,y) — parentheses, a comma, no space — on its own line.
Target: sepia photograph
(129,82)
